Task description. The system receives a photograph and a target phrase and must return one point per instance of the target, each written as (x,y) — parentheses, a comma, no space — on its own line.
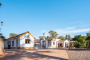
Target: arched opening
(60,45)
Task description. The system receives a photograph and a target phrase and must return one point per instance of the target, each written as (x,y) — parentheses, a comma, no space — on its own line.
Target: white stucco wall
(18,42)
(66,42)
(14,43)
(22,40)
(52,43)
(5,44)
(58,39)
(45,43)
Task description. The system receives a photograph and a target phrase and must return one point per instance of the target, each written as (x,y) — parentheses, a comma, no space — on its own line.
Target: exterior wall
(19,42)
(57,44)
(66,41)
(10,43)
(41,43)
(58,39)
(5,44)
(22,40)
(45,44)
(14,43)
(53,46)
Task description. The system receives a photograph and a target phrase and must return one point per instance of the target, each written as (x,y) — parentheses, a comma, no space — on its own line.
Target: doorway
(17,43)
(60,45)
(9,46)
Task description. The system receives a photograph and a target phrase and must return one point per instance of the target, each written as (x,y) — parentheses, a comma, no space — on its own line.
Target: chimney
(43,37)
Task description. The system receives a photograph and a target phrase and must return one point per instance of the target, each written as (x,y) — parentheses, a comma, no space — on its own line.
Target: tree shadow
(79,49)
(60,48)
(30,55)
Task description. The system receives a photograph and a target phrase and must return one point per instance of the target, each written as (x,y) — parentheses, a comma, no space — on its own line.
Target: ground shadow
(79,49)
(30,55)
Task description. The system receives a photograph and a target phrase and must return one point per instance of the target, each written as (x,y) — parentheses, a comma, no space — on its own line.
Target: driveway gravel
(38,54)
(79,54)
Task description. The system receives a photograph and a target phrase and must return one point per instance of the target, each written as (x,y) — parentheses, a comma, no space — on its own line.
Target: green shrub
(77,45)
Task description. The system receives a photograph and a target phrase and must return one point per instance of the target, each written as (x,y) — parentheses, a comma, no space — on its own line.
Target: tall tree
(68,37)
(81,39)
(88,39)
(61,37)
(53,34)
(3,37)
(88,34)
(41,37)
(48,37)
(12,34)
(0,4)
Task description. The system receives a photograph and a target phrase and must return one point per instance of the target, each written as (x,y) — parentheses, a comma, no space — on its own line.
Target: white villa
(24,41)
(27,41)
(54,43)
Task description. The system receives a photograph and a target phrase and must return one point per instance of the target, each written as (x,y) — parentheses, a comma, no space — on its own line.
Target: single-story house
(63,44)
(54,43)
(21,41)
(37,43)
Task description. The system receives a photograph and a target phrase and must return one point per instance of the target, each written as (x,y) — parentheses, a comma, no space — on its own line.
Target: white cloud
(71,22)
(68,30)
(71,31)
(46,32)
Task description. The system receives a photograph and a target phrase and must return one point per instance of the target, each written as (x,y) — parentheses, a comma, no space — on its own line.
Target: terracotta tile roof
(61,41)
(15,37)
(49,39)
(37,41)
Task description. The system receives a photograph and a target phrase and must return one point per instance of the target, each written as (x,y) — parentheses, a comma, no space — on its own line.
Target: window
(53,43)
(27,41)
(12,43)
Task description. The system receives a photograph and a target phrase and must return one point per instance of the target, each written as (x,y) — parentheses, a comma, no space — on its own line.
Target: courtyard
(46,54)
(38,54)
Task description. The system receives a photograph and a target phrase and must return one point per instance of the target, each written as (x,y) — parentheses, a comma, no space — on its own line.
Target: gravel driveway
(39,54)
(79,54)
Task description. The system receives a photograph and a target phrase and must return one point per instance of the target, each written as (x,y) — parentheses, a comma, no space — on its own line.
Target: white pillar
(41,43)
(46,44)
(57,44)
(63,44)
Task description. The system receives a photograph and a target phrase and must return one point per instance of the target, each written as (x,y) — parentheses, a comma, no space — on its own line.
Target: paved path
(39,54)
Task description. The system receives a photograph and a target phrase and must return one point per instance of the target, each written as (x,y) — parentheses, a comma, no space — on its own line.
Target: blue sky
(39,16)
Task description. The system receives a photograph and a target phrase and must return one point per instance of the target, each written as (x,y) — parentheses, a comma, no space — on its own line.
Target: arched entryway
(44,44)
(60,45)
(66,45)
